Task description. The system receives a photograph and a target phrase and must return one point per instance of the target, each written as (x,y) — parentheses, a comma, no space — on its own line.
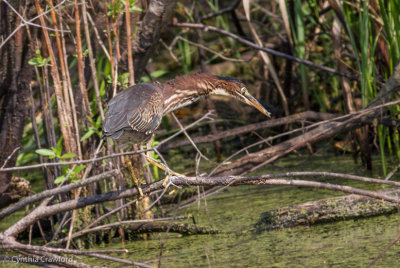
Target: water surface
(236,209)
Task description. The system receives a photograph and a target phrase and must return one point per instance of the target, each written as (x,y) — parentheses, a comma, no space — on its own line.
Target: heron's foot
(162,167)
(135,180)
(165,183)
(168,181)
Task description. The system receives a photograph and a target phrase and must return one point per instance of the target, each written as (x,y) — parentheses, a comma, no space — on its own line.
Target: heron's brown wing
(139,108)
(147,117)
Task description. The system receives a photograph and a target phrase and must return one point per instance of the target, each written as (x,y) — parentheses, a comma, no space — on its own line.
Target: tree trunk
(15,75)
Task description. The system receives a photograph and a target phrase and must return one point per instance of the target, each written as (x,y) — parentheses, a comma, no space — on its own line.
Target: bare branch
(206,28)
(156,19)
(308,115)
(207,49)
(9,157)
(29,22)
(55,191)
(271,179)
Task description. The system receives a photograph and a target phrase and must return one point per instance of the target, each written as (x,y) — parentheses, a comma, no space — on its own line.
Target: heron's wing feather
(146,118)
(139,108)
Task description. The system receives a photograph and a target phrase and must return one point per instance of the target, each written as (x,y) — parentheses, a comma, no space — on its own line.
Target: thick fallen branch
(64,189)
(326,210)
(45,211)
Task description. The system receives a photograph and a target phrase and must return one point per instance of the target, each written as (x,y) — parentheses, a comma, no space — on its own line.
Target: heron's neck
(184,90)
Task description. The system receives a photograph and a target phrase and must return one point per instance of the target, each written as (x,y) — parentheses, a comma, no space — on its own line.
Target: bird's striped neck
(185,90)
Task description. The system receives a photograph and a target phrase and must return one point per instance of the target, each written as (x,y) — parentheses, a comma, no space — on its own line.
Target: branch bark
(154,23)
(272,179)
(55,191)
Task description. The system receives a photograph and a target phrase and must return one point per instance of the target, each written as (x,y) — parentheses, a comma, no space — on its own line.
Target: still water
(236,209)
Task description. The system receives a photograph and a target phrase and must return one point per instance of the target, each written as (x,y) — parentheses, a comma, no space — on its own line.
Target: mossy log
(326,210)
(182,228)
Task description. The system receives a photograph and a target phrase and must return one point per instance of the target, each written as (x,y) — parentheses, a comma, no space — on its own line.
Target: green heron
(135,113)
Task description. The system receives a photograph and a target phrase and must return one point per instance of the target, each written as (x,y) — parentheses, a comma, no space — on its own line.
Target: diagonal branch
(55,191)
(146,40)
(206,28)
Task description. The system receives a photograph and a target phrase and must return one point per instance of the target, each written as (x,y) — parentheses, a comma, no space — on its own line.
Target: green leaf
(135,8)
(98,122)
(60,179)
(79,168)
(35,62)
(45,152)
(56,151)
(87,134)
(90,120)
(68,155)
(158,73)
(75,179)
(64,169)
(46,60)
(155,74)
(59,145)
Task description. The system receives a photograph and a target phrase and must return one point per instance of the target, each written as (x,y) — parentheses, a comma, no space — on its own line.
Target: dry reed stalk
(116,35)
(91,59)
(129,45)
(110,47)
(66,81)
(267,61)
(82,84)
(71,94)
(65,125)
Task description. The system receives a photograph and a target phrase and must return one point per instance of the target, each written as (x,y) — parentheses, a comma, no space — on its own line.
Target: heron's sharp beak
(254,102)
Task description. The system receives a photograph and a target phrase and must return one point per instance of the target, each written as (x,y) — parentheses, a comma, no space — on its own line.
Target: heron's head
(230,86)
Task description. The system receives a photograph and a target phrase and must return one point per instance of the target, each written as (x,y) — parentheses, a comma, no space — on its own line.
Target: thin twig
(189,138)
(115,259)
(29,22)
(98,37)
(230,8)
(209,50)
(392,173)
(205,27)
(391,244)
(9,157)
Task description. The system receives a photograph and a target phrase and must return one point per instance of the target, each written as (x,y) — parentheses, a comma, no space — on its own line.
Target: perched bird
(135,113)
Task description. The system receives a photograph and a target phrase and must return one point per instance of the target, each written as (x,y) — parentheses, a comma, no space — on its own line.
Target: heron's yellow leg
(136,182)
(162,167)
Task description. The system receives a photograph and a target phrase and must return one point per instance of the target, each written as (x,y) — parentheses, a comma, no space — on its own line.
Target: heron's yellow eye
(243,90)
